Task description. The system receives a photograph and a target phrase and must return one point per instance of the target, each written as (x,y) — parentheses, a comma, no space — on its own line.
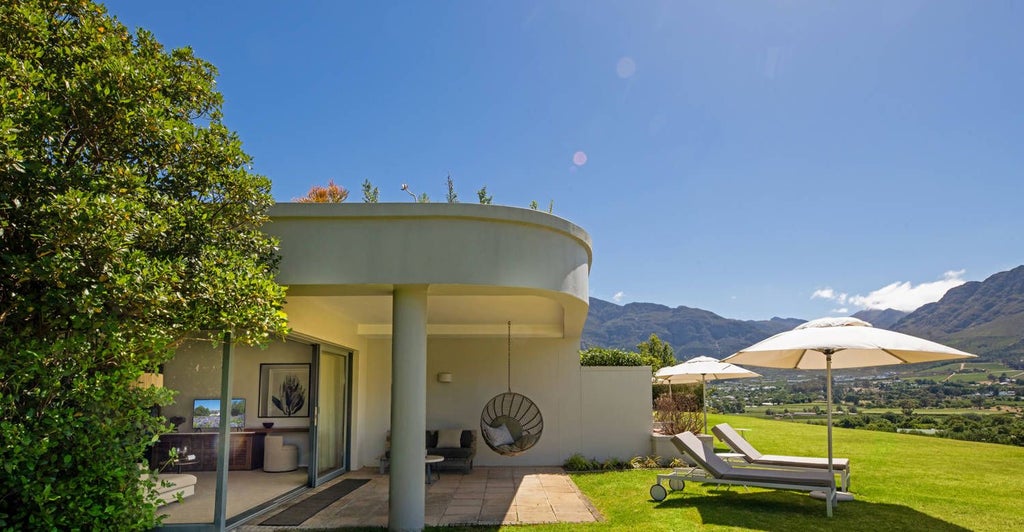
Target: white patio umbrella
(828,343)
(702,369)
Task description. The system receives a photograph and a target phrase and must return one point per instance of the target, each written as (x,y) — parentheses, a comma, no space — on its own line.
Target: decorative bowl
(268,424)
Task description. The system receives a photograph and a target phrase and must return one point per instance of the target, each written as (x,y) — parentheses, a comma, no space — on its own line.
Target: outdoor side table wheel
(658,492)
(677,484)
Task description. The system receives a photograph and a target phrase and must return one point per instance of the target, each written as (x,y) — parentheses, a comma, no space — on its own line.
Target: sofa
(455,458)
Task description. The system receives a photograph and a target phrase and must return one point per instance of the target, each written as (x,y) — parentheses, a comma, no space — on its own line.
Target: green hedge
(602,356)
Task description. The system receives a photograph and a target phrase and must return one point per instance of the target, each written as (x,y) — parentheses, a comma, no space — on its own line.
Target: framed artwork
(284,390)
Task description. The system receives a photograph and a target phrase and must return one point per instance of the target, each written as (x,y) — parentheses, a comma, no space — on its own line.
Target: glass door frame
(315,477)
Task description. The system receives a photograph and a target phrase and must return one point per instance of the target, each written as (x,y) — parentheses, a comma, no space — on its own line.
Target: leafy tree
(660,351)
(423,198)
(128,220)
(332,193)
(483,197)
(201,411)
(452,196)
(370,193)
(533,205)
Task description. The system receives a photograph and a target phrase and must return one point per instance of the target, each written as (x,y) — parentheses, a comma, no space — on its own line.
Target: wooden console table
(246,450)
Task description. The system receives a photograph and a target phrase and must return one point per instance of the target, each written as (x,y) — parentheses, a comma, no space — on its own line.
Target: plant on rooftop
(128,220)
(452,196)
(371,194)
(332,193)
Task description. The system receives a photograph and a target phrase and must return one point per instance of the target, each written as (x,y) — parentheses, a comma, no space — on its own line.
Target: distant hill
(690,331)
(883,319)
(985,318)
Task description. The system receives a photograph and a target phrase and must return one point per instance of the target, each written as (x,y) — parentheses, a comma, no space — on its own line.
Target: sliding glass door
(331,440)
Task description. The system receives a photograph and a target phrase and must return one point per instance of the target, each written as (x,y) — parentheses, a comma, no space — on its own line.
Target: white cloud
(828,293)
(843,310)
(618,296)
(900,295)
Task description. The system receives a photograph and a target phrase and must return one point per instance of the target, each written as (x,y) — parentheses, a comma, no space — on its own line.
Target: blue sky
(755,159)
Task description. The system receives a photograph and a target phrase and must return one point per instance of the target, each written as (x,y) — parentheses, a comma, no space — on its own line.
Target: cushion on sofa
(449,438)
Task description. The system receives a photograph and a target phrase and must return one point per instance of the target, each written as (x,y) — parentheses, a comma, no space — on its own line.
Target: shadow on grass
(782,510)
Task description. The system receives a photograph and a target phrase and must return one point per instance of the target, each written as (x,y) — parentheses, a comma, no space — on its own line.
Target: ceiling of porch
(462,315)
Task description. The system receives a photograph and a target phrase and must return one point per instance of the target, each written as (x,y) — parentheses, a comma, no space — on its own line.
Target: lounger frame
(753,458)
(705,472)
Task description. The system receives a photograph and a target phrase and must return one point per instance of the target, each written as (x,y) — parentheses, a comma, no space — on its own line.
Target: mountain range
(981,317)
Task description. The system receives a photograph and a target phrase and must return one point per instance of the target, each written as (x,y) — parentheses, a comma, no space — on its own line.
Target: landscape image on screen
(206,414)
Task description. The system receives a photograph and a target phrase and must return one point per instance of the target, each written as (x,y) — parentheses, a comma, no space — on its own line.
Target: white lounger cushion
(737,443)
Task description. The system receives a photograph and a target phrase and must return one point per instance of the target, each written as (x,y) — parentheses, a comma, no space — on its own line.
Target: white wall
(374,415)
(616,412)
(544,370)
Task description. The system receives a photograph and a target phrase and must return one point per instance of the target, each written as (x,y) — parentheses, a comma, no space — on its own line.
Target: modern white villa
(404,318)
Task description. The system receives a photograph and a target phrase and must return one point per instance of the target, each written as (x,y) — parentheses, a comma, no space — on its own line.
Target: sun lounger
(738,444)
(711,469)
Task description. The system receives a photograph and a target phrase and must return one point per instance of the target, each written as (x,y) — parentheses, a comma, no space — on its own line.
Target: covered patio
(485,496)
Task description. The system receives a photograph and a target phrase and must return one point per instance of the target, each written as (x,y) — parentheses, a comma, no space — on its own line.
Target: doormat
(297,513)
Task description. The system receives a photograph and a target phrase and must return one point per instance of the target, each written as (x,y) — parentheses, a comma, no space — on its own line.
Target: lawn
(901,482)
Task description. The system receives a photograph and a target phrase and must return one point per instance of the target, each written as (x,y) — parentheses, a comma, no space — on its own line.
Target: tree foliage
(129,219)
(657,350)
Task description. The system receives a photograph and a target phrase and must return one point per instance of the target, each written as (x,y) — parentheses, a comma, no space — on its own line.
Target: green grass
(901,482)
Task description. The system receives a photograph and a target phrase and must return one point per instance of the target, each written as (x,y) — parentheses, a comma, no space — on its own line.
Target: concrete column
(408,407)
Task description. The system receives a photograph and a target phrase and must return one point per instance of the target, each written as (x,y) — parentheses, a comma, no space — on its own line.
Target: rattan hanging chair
(510,422)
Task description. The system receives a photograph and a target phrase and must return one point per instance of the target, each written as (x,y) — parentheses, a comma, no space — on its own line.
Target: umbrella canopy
(702,369)
(852,343)
(828,343)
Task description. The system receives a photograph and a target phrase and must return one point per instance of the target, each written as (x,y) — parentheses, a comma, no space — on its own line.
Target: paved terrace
(485,496)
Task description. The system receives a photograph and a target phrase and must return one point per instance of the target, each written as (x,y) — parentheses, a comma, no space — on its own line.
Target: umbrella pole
(828,405)
(828,410)
(704,388)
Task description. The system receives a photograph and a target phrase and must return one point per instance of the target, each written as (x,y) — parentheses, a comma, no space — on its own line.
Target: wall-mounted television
(206,414)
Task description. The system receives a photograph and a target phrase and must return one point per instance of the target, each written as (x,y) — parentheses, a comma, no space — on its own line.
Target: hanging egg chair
(510,422)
